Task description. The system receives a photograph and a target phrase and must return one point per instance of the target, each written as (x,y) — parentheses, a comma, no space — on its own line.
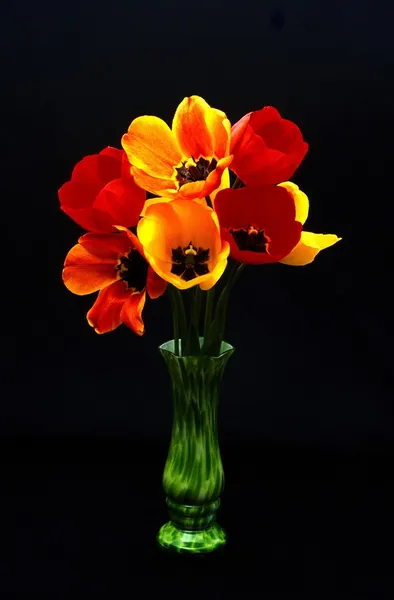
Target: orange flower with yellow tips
(182,243)
(187,161)
(310,244)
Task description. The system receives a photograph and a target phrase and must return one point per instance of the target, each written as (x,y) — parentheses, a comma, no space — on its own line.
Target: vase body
(193,476)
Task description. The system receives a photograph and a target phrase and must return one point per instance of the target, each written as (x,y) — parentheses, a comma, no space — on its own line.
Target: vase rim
(169,346)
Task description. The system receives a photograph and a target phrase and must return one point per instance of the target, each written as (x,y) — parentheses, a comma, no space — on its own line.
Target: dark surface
(79,519)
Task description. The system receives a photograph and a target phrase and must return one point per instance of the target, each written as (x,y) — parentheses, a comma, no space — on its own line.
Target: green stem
(182,320)
(218,325)
(241,267)
(175,318)
(195,308)
(210,296)
(181,316)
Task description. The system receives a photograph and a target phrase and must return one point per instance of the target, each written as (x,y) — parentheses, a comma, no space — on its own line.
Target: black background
(306,416)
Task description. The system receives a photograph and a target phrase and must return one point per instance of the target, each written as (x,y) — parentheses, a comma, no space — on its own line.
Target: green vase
(193,475)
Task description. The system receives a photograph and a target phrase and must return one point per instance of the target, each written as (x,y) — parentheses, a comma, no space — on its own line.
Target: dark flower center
(189,262)
(197,172)
(133,269)
(251,238)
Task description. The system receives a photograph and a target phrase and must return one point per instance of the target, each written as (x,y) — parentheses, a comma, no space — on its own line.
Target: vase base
(200,541)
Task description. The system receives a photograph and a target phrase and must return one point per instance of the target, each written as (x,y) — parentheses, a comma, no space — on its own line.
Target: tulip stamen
(133,269)
(188,172)
(189,262)
(251,238)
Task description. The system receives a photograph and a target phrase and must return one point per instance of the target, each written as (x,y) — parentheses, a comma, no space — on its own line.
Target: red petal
(116,153)
(278,133)
(107,245)
(266,208)
(104,315)
(120,202)
(255,164)
(76,201)
(96,171)
(78,196)
(134,241)
(238,132)
(131,314)
(155,285)
(267,148)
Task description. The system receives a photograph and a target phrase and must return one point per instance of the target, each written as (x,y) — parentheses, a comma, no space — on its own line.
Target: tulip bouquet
(219,199)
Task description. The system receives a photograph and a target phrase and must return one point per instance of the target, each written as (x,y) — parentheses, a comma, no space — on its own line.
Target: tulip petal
(278,133)
(167,226)
(104,246)
(219,269)
(154,185)
(104,316)
(73,195)
(238,132)
(96,170)
(201,189)
(90,264)
(190,128)
(131,313)
(150,145)
(300,200)
(201,130)
(120,202)
(151,201)
(267,149)
(268,208)
(255,164)
(308,247)
(116,153)
(76,201)
(220,128)
(131,239)
(155,285)
(163,269)
(85,273)
(151,232)
(84,200)
(224,184)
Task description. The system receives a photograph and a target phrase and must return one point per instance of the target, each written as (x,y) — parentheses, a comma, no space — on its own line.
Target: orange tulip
(310,244)
(114,265)
(181,241)
(187,161)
